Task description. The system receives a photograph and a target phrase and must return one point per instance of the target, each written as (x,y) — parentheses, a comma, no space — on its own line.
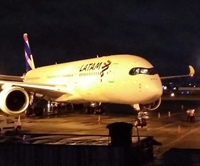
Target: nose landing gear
(141,119)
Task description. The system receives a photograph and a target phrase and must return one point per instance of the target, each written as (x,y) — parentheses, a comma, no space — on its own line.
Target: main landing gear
(94,108)
(34,107)
(37,111)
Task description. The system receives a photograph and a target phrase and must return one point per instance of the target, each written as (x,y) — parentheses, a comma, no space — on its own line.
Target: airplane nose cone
(154,91)
(157,91)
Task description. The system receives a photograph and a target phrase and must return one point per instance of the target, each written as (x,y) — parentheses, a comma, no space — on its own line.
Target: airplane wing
(54,91)
(11,78)
(191,73)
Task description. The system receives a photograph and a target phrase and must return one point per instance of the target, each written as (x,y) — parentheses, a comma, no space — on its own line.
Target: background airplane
(123,79)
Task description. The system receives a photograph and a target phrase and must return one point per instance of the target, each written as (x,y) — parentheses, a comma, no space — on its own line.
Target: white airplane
(123,79)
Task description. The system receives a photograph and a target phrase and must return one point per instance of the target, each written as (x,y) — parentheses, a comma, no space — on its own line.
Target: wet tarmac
(178,140)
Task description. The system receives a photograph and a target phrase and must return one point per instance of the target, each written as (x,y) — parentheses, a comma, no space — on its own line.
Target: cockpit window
(140,70)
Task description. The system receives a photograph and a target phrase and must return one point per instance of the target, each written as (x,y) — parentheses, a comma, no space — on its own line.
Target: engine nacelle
(14,100)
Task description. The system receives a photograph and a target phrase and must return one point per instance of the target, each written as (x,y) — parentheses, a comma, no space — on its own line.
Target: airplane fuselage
(115,79)
(121,79)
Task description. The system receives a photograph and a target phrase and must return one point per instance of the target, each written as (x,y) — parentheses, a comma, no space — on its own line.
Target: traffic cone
(19,119)
(182,107)
(99,119)
(179,129)
(158,114)
(169,114)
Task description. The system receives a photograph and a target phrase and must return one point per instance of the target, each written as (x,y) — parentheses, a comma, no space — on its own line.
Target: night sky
(167,34)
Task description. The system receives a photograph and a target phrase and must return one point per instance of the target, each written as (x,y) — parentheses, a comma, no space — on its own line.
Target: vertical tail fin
(28,56)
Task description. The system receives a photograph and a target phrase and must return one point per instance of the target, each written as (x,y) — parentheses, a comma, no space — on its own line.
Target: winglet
(192,71)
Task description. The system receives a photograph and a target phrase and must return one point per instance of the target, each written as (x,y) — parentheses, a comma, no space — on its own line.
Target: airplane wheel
(144,122)
(38,111)
(29,111)
(88,110)
(99,111)
(136,122)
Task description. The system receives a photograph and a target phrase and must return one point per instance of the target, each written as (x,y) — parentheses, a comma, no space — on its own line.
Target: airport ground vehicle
(9,124)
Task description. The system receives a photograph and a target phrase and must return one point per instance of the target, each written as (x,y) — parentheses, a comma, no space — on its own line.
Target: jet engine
(152,106)
(13,100)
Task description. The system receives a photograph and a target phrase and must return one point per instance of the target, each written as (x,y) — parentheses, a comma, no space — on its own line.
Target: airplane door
(112,73)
